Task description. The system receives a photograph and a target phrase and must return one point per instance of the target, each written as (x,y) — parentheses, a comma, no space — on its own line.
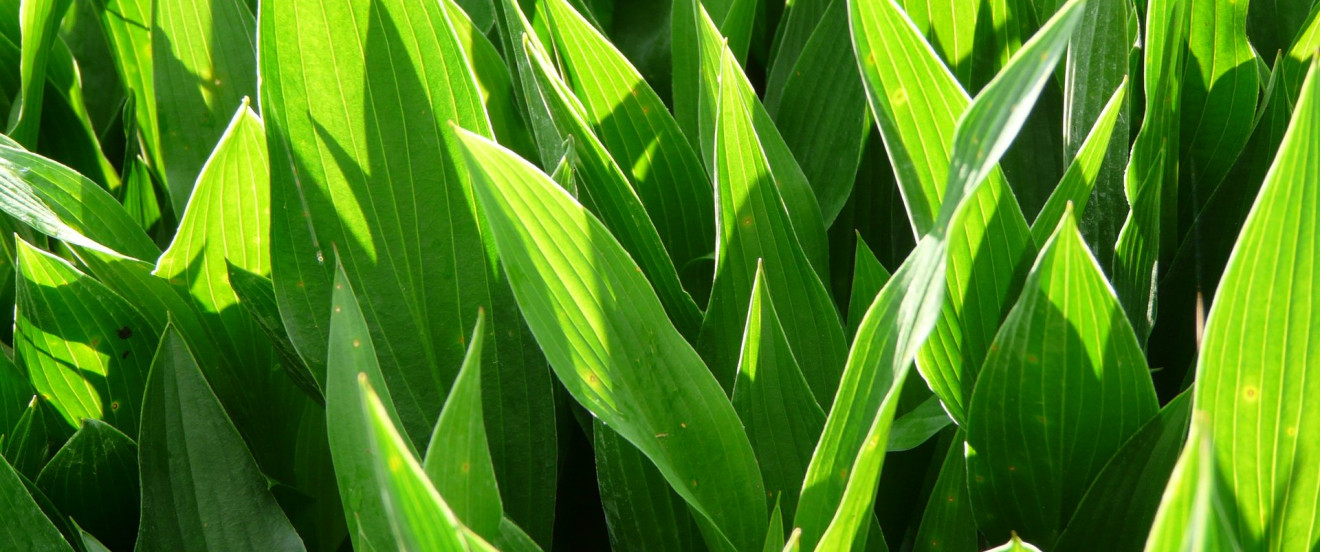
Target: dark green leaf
(25,527)
(94,480)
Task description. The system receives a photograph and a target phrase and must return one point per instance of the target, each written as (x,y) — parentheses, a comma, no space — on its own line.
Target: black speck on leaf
(124,332)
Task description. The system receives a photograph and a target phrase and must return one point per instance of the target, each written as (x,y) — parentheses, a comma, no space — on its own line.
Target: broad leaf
(25,526)
(94,480)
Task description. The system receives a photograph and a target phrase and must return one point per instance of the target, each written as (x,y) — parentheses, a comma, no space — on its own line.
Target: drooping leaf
(546,239)
(200,486)
(204,62)
(84,347)
(772,398)
(94,480)
(1255,374)
(25,527)
(1193,514)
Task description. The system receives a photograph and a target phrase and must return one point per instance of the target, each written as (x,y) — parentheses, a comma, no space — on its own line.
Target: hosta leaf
(25,526)
(1097,65)
(492,76)
(753,224)
(1015,544)
(1068,359)
(821,110)
(1272,24)
(918,425)
(34,439)
(15,393)
(990,243)
(513,539)
(62,204)
(1193,515)
(40,23)
(513,26)
(84,347)
(947,522)
(869,277)
(256,293)
(458,459)
(1078,184)
(203,64)
(200,486)
(1118,509)
(772,398)
(640,134)
(354,93)
(674,411)
(419,517)
(70,134)
(1151,182)
(604,188)
(94,480)
(641,510)
(1255,375)
(127,25)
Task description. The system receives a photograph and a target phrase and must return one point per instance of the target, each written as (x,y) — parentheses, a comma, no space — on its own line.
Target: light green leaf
(127,26)
(94,480)
(754,225)
(918,425)
(491,74)
(200,486)
(772,398)
(85,349)
(203,64)
(1256,372)
(40,23)
(674,411)
(419,517)
(1068,358)
(640,134)
(774,533)
(25,527)
(1193,515)
(458,458)
(605,190)
(1015,544)
(1078,184)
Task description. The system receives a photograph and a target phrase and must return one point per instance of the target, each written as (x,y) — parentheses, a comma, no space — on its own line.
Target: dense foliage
(725,275)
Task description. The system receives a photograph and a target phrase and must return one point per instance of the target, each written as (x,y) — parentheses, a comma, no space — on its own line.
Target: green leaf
(640,134)
(94,480)
(58,202)
(85,348)
(458,458)
(34,439)
(1078,184)
(40,23)
(256,293)
(25,527)
(491,74)
(15,393)
(605,190)
(203,64)
(200,486)
(482,13)
(1193,514)
(351,353)
(641,509)
(772,398)
(754,225)
(513,539)
(869,277)
(558,254)
(1151,181)
(127,26)
(513,26)
(1256,370)
(418,516)
(774,533)
(915,427)
(1120,506)
(947,522)
(1015,544)
(1068,359)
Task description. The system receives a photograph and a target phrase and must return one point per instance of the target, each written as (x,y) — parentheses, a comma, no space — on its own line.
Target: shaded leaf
(25,527)
(94,480)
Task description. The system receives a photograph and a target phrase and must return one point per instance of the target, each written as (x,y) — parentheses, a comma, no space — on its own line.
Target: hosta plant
(725,275)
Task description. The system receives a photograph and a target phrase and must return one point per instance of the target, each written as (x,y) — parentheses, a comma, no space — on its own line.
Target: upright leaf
(127,26)
(204,62)
(947,522)
(25,527)
(1068,359)
(94,480)
(557,255)
(40,23)
(641,509)
(200,485)
(1078,185)
(1256,371)
(1193,515)
(869,277)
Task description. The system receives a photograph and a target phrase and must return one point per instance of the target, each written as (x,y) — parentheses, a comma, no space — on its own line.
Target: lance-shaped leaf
(782,418)
(458,458)
(947,523)
(1069,361)
(1078,184)
(85,348)
(1256,374)
(25,526)
(990,244)
(94,480)
(492,77)
(204,62)
(604,188)
(1015,544)
(34,439)
(418,516)
(753,224)
(869,277)
(127,26)
(354,94)
(58,202)
(845,467)
(1194,513)
(641,509)
(1151,181)
(40,24)
(640,134)
(200,485)
(256,293)
(607,338)
(15,393)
